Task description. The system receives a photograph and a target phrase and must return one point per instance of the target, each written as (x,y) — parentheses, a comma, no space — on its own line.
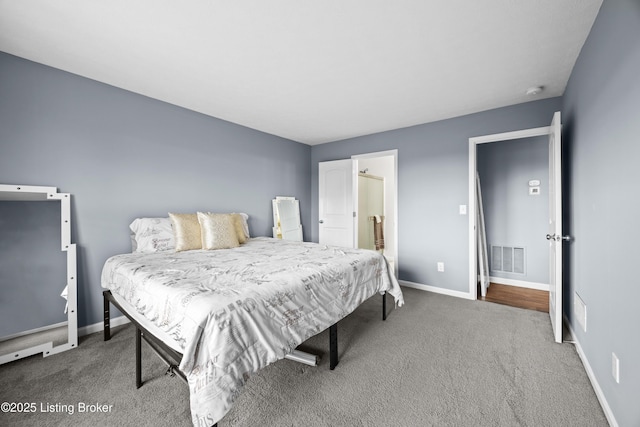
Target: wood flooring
(531,299)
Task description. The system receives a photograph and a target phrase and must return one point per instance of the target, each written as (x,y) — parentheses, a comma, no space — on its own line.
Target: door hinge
(354,214)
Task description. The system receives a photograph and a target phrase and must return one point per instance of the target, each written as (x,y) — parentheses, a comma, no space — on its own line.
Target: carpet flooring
(437,361)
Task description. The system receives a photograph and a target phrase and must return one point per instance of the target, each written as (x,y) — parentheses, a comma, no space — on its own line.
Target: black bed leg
(107,318)
(333,346)
(138,358)
(384,306)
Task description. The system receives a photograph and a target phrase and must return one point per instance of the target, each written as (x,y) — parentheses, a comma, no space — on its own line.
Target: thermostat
(534,183)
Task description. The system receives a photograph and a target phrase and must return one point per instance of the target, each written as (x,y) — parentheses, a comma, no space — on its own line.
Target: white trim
(473,142)
(436,290)
(506,136)
(97,327)
(473,248)
(520,283)
(386,153)
(592,377)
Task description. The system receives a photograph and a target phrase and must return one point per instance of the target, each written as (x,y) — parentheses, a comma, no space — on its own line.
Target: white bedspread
(235,311)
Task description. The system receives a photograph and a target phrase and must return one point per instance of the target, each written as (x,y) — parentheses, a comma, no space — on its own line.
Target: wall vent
(509,259)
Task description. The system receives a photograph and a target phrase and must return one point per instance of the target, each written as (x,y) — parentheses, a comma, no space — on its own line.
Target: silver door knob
(321,222)
(557,238)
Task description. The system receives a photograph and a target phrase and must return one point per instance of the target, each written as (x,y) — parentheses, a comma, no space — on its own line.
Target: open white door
(555,227)
(335,204)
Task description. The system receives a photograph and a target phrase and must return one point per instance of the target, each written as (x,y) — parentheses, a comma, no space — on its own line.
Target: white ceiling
(310,71)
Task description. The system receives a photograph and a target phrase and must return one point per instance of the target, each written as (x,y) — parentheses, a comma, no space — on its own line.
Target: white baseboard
(97,327)
(436,289)
(592,377)
(520,283)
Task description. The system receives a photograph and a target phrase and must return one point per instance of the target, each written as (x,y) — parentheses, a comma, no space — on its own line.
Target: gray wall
(123,156)
(601,109)
(433,178)
(512,216)
(33,267)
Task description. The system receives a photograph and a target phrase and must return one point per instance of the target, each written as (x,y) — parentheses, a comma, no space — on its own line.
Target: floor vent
(508,259)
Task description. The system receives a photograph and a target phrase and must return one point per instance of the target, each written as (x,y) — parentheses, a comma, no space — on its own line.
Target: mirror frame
(36,193)
(292,232)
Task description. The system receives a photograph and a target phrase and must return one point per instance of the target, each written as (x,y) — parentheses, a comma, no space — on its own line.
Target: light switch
(463,209)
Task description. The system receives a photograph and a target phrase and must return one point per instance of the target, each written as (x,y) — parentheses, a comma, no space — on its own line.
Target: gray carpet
(437,361)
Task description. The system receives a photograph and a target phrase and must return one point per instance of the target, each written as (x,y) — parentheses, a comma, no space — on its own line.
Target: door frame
(387,153)
(473,143)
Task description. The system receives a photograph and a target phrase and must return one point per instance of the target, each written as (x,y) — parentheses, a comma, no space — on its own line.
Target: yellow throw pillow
(186,230)
(218,231)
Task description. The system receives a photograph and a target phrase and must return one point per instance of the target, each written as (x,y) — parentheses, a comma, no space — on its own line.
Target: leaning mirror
(38,312)
(286,218)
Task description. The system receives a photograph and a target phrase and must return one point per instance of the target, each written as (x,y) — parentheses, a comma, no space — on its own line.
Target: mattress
(232,312)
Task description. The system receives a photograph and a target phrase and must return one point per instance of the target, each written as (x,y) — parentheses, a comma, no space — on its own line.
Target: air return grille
(509,259)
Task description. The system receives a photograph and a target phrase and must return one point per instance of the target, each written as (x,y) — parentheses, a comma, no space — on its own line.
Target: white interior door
(335,204)
(555,227)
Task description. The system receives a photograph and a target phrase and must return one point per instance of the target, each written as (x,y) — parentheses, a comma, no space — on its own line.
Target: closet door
(335,204)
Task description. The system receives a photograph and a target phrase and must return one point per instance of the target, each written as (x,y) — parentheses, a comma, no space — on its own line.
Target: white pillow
(245,224)
(152,235)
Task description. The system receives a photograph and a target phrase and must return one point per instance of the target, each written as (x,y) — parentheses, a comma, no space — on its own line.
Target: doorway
(341,221)
(513,182)
(554,230)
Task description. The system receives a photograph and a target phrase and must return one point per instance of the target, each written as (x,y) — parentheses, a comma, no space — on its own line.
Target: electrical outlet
(615,367)
(441,267)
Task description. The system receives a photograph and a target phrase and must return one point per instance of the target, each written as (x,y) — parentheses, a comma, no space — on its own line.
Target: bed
(224,314)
